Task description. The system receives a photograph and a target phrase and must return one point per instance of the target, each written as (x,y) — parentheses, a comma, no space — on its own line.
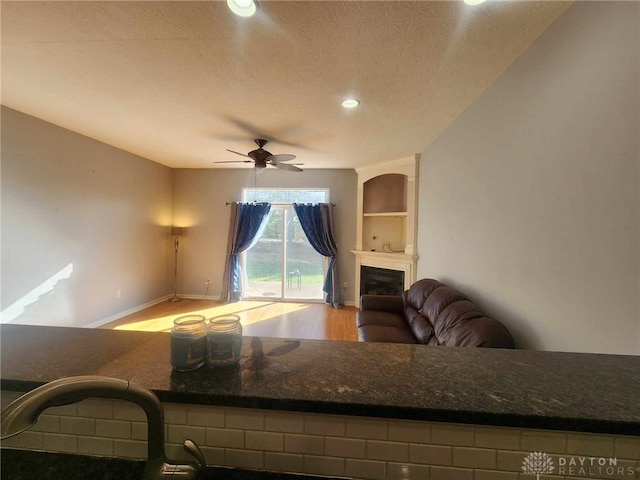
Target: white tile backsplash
(345,447)
(491,437)
(392,451)
(450,434)
(367,428)
(284,422)
(407,471)
(627,447)
(265,441)
(541,441)
(365,469)
(60,443)
(205,416)
(311,444)
(93,408)
(325,425)
(474,457)
(179,433)
(225,437)
(47,423)
(129,448)
(342,446)
(113,428)
(594,445)
(139,431)
(95,446)
(411,432)
(431,454)
(319,465)
(244,459)
(244,419)
(78,425)
(175,413)
(128,411)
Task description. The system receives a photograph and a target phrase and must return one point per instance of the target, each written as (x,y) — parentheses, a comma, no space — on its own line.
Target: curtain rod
(229,203)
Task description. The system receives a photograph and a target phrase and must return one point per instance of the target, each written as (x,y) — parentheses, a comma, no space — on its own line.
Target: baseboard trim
(198,297)
(114,317)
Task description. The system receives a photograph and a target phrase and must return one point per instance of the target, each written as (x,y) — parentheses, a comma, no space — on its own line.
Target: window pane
(286,195)
(282,264)
(263,261)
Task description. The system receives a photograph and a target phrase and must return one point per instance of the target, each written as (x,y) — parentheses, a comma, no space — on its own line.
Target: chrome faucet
(24,412)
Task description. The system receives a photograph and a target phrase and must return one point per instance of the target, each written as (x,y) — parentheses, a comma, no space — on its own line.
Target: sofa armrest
(382,303)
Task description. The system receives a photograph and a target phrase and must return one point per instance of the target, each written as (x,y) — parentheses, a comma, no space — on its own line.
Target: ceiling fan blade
(286,166)
(284,157)
(238,153)
(235,161)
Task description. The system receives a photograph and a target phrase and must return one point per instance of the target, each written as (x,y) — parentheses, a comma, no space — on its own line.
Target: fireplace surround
(381,281)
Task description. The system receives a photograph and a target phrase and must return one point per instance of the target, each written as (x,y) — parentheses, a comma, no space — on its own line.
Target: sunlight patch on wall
(16,309)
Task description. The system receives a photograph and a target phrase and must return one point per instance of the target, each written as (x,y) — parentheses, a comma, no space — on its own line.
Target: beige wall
(199,204)
(80,220)
(529,202)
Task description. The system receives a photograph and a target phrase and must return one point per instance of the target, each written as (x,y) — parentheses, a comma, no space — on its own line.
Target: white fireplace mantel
(392,261)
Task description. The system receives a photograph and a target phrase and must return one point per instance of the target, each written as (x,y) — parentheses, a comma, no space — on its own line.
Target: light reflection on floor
(250,312)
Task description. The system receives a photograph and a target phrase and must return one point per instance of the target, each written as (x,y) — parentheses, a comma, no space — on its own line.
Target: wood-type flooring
(313,321)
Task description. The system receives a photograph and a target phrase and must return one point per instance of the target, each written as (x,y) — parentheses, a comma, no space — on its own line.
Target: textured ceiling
(179,82)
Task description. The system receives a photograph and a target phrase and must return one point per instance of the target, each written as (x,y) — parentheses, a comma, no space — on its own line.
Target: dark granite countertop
(520,388)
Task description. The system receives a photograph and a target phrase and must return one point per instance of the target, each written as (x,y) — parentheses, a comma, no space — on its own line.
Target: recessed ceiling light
(242,8)
(350,103)
(474,2)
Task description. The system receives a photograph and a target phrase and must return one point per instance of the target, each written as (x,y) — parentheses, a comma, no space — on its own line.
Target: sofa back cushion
(440,315)
(414,301)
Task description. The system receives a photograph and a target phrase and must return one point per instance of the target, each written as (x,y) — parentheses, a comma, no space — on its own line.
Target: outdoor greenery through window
(282,264)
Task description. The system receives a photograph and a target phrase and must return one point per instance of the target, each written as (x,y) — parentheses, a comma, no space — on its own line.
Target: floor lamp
(176,233)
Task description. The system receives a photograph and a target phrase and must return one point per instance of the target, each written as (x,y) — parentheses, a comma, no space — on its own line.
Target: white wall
(199,204)
(529,202)
(80,220)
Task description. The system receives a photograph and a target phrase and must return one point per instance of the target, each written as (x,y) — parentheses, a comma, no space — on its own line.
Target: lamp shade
(176,231)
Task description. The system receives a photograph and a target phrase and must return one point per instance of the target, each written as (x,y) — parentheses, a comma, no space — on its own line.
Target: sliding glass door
(282,264)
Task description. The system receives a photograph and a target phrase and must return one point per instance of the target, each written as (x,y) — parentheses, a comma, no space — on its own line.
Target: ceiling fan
(261,158)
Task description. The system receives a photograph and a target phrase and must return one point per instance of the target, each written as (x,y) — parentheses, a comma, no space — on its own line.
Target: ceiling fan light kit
(242,8)
(350,103)
(262,158)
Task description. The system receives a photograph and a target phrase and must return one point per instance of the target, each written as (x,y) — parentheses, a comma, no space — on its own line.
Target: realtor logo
(537,463)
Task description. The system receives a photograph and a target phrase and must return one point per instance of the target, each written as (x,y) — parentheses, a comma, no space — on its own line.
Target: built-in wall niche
(383,233)
(385,194)
(386,229)
(384,210)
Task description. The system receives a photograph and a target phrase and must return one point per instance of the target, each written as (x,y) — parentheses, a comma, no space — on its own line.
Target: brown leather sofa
(429,313)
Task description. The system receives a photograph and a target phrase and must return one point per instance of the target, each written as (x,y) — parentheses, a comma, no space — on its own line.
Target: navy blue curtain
(316,221)
(245,227)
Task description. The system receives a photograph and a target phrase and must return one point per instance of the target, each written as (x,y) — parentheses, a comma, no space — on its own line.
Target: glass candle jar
(188,342)
(224,341)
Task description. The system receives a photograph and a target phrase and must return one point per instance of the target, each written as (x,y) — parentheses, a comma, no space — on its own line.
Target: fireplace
(381,281)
